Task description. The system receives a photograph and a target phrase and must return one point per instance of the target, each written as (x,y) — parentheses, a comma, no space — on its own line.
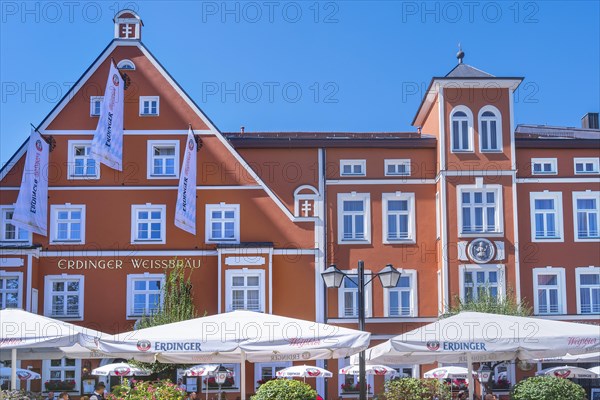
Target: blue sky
(306,65)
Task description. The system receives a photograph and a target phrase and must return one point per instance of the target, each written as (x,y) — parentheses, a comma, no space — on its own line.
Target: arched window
(462,128)
(490,129)
(126,64)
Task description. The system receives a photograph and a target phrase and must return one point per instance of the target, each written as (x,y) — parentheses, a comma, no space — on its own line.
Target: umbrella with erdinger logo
(477,337)
(569,372)
(303,371)
(235,337)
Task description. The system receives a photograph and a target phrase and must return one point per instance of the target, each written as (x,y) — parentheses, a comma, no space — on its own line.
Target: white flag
(107,145)
(185,208)
(31,210)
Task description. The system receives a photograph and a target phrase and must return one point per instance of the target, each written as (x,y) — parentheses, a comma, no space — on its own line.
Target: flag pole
(48,139)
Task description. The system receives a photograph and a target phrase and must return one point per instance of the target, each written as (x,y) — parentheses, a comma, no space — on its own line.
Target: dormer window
(490,130)
(126,64)
(149,106)
(128,25)
(461,126)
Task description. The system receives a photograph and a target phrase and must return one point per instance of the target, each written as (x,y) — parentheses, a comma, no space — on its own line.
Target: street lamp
(333,278)
(221,375)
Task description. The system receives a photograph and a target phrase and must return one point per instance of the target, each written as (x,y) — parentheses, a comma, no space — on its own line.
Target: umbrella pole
(13,369)
(243,376)
(470,375)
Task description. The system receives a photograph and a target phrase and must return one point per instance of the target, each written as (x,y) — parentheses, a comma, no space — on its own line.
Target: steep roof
(467,71)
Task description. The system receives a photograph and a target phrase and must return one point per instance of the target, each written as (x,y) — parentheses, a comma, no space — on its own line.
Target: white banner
(107,145)
(185,208)
(31,210)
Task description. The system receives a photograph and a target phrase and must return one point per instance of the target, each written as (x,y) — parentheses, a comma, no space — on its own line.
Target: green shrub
(18,395)
(415,389)
(547,388)
(287,389)
(142,390)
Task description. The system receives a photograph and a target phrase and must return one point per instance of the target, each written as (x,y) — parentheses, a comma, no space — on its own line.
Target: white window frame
(368,297)
(499,214)
(3,210)
(438,217)
(562,292)
(54,210)
(131,279)
(209,220)
(93,101)
(469,113)
(353,163)
(545,195)
(410,198)
(46,368)
(354,196)
(134,223)
(498,118)
(126,64)
(414,303)
(144,99)
(582,195)
(150,158)
(245,272)
(553,162)
(71,161)
(3,291)
(591,270)
(49,280)
(273,365)
(595,161)
(498,268)
(396,163)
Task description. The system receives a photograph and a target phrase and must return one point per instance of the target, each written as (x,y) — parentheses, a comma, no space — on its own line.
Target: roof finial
(460,55)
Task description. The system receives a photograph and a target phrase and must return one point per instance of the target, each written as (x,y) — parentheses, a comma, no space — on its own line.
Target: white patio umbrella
(236,337)
(22,374)
(28,336)
(574,358)
(568,372)
(304,371)
(595,370)
(201,370)
(120,369)
(475,337)
(370,369)
(447,372)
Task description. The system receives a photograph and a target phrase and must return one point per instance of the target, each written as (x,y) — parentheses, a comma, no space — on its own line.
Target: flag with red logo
(31,208)
(107,145)
(185,208)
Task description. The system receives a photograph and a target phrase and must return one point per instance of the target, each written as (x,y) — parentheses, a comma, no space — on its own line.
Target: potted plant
(60,386)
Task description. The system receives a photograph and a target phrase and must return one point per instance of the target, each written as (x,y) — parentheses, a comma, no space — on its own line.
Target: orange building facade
(467,203)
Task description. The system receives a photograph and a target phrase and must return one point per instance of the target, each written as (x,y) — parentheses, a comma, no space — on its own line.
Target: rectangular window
(588,290)
(348,296)
(546,216)
(398,217)
(587,166)
(354,218)
(144,294)
(65,370)
(81,165)
(402,300)
(64,296)
(480,210)
(222,223)
(149,105)
(397,167)
(67,223)
(96,105)
(586,215)
(8,231)
(10,289)
(549,291)
(353,167)
(544,166)
(163,159)
(231,384)
(264,372)
(148,223)
(246,290)
(480,282)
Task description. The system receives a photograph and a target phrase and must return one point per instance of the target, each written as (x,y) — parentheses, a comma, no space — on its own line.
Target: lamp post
(221,375)
(334,277)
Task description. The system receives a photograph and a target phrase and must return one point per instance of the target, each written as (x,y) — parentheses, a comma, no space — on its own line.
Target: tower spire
(460,55)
